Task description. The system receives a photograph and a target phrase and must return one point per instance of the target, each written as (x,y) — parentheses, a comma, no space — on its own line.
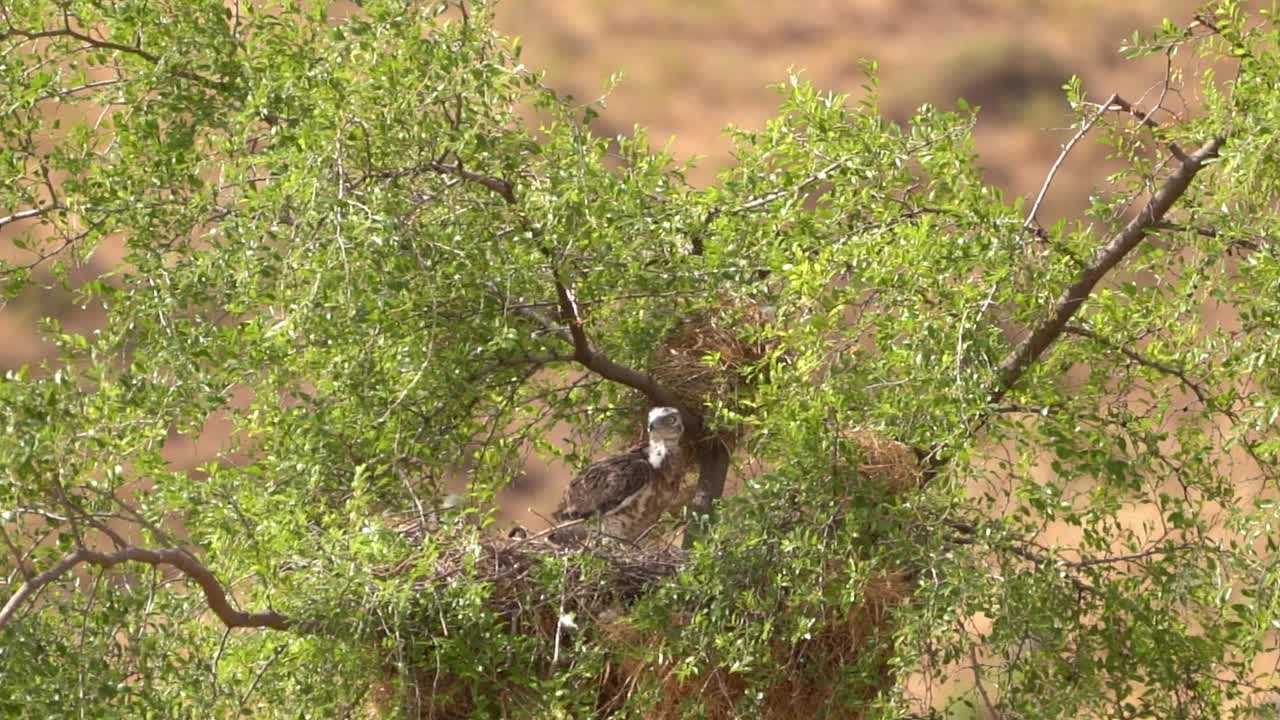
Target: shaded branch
(68,31)
(503,188)
(592,359)
(215,595)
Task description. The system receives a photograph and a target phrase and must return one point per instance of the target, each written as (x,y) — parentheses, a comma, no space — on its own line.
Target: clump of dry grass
(707,358)
(886,461)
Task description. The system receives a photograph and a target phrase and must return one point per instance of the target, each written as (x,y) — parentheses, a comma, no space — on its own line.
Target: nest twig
(599,577)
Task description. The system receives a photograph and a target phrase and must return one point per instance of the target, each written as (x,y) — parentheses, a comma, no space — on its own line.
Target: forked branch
(589,357)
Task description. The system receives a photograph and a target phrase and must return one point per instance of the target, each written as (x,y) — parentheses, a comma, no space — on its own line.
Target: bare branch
(1107,257)
(28,214)
(257,678)
(215,595)
(1144,119)
(1062,156)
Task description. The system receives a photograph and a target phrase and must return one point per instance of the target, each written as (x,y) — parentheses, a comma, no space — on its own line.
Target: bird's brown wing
(606,484)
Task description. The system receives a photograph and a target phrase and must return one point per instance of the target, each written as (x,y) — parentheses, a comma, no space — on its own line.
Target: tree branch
(215,595)
(592,359)
(503,188)
(1027,352)
(1062,156)
(67,31)
(28,214)
(1201,394)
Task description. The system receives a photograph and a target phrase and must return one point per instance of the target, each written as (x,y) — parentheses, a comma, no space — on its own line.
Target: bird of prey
(628,493)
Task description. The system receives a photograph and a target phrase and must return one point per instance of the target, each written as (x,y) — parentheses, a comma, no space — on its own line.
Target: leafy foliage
(374,246)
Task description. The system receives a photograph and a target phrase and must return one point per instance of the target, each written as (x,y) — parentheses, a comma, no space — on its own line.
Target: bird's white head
(665,424)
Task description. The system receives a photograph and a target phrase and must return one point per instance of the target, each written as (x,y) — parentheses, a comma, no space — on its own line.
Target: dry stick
(215,595)
(1062,156)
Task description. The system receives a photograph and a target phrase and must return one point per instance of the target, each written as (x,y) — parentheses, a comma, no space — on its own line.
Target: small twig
(1144,119)
(1062,156)
(544,533)
(262,671)
(1201,394)
(217,658)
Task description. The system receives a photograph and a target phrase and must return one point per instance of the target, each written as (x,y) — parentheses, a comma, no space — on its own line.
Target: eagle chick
(628,493)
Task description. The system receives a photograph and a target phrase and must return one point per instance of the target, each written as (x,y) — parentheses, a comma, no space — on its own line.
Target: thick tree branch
(590,358)
(186,563)
(1027,352)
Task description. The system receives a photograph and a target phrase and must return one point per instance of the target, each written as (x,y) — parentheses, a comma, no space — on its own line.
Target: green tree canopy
(385,253)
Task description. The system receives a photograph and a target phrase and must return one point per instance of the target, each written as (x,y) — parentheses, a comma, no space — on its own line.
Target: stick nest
(599,578)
